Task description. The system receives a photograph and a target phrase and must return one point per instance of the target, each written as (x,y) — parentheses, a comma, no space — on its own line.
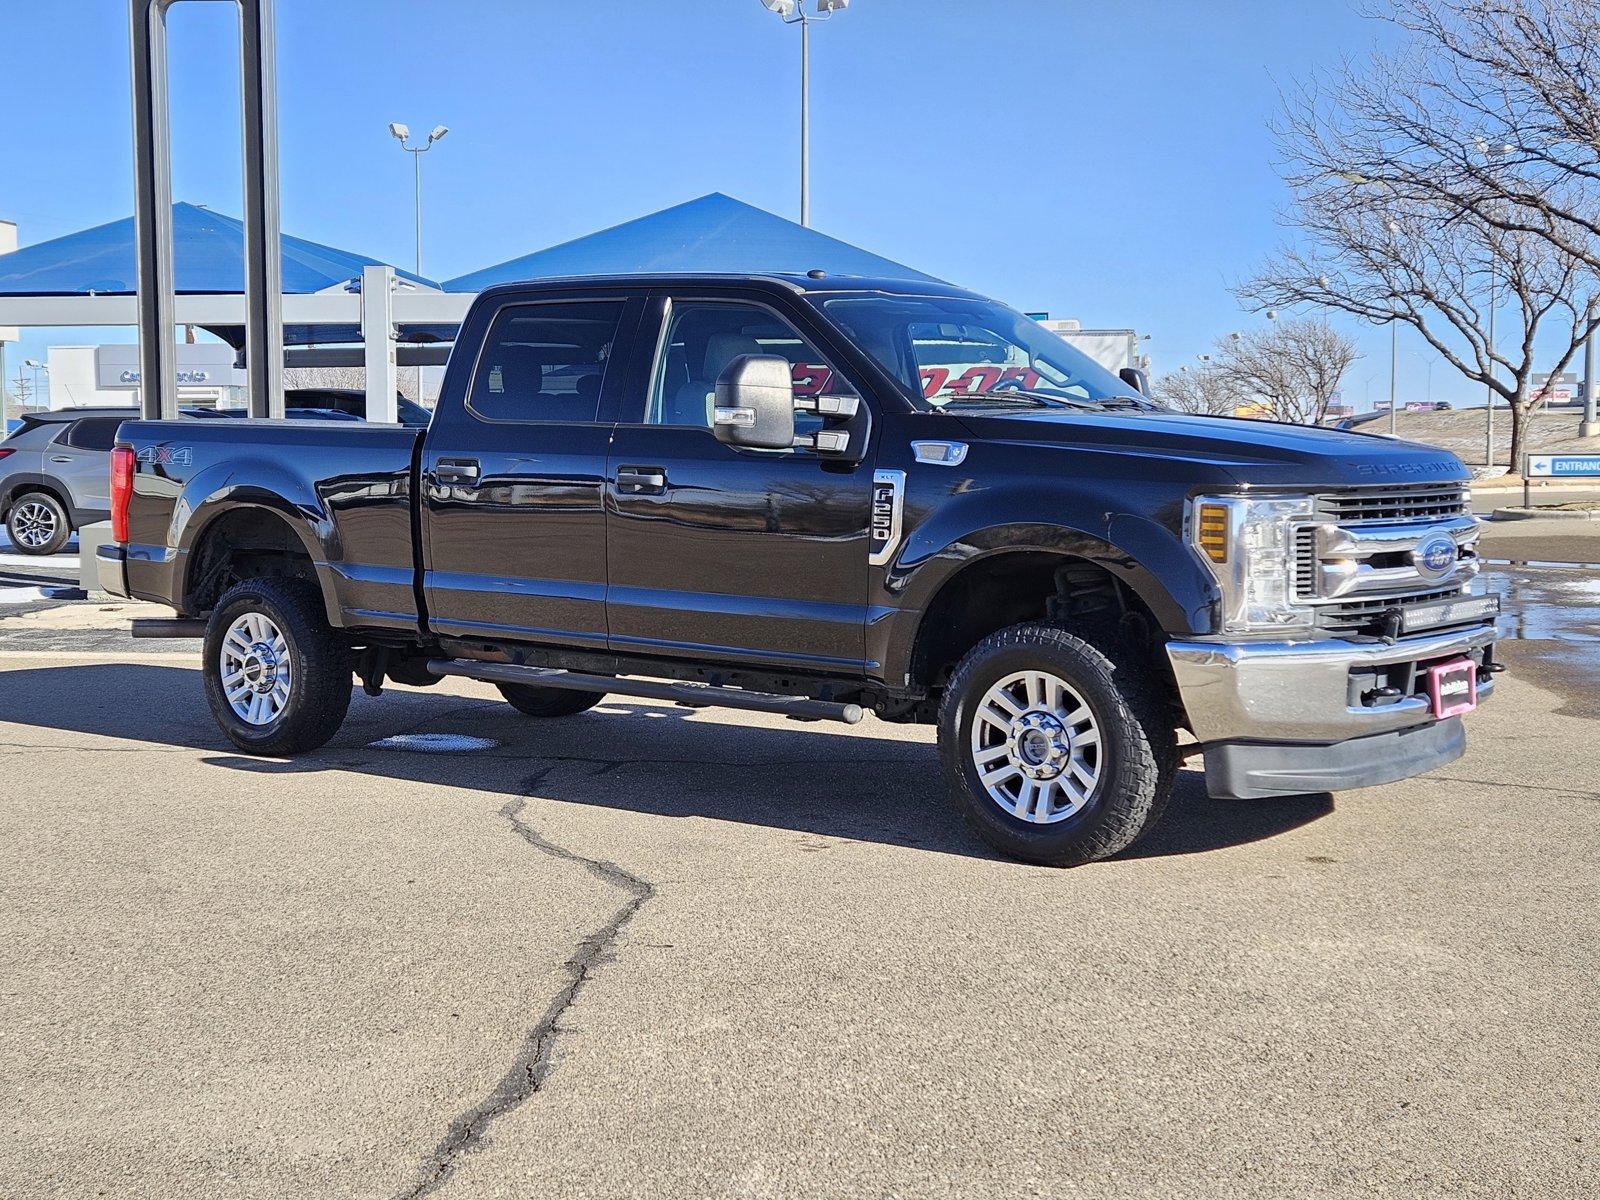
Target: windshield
(952,352)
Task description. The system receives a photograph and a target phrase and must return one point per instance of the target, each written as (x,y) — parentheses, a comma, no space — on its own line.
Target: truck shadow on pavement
(623,755)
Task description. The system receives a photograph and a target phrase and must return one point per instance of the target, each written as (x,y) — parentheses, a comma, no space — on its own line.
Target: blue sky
(1105,162)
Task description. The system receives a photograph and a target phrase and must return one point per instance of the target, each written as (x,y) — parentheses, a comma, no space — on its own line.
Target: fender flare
(217,491)
(1141,554)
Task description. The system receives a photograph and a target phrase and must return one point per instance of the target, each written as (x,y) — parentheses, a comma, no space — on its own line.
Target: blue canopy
(714,233)
(209,259)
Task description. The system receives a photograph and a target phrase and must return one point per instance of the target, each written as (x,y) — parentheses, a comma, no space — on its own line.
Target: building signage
(1563,466)
(207,364)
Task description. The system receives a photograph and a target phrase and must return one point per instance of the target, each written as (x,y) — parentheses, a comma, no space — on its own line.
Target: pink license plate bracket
(1453,687)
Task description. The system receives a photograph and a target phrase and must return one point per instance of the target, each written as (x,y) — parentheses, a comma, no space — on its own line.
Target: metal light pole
(401,133)
(793,12)
(1590,426)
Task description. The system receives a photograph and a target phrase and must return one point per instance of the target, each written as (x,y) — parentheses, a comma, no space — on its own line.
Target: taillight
(121,491)
(7,451)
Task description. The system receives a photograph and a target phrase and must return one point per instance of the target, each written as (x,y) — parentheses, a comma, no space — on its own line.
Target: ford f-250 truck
(821,497)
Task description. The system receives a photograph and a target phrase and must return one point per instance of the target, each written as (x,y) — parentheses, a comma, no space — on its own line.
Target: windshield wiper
(1011,397)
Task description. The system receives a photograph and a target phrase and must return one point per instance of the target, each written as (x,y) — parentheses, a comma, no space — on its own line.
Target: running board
(168,627)
(695,695)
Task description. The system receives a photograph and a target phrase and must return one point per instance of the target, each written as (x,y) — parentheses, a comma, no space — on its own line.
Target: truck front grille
(1354,564)
(1416,502)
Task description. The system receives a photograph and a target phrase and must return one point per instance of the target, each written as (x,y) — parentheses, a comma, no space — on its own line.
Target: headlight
(1247,542)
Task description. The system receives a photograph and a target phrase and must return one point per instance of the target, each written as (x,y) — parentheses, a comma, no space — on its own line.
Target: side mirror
(1135,378)
(755,403)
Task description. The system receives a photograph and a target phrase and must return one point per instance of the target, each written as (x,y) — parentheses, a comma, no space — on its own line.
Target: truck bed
(344,489)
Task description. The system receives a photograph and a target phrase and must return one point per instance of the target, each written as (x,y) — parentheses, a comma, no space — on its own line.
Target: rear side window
(546,362)
(95,433)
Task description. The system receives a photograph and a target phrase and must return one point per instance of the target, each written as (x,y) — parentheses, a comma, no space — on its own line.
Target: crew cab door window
(545,362)
(703,337)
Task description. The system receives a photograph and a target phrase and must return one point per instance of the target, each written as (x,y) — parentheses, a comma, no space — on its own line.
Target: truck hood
(1258,453)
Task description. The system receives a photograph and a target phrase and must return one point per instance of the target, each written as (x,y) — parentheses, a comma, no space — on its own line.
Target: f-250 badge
(888,503)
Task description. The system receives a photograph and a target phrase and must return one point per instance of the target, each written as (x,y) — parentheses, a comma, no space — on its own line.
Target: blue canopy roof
(712,234)
(209,254)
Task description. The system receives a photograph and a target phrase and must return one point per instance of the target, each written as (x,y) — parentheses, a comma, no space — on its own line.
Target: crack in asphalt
(532,1065)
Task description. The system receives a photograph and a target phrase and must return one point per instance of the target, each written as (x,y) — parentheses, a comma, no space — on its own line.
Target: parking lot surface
(650,951)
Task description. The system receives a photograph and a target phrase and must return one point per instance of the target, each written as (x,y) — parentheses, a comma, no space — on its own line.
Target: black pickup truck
(823,497)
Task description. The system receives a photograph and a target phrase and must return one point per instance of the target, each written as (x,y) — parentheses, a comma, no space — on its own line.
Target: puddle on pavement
(434,743)
(1548,601)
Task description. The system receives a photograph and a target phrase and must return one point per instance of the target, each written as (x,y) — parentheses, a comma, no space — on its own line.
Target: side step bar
(695,695)
(168,627)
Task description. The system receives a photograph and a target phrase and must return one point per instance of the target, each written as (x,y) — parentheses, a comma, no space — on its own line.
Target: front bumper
(1279,718)
(111,569)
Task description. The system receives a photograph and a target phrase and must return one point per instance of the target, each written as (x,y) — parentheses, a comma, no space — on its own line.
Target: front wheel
(1054,753)
(38,524)
(277,677)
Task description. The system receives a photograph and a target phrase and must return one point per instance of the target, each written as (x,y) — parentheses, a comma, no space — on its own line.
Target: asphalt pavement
(651,951)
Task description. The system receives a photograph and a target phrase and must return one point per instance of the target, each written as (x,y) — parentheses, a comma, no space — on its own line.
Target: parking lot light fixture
(793,12)
(402,134)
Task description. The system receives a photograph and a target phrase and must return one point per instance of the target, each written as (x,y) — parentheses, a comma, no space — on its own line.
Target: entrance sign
(1562,466)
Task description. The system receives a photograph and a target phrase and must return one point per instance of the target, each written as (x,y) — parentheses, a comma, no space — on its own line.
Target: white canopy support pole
(377,333)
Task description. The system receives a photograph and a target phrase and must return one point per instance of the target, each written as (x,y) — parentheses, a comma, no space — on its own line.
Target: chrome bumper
(111,569)
(1300,691)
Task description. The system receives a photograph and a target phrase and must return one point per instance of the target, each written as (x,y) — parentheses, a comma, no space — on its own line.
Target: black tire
(35,516)
(320,665)
(1137,746)
(538,701)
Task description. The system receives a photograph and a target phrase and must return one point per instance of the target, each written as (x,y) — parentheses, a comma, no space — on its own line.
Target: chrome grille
(1418,502)
(1363,522)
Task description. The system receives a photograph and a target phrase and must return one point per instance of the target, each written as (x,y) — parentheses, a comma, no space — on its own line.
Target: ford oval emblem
(1435,556)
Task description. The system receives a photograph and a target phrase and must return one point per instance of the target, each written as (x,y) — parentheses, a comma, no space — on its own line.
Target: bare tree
(1203,390)
(1290,369)
(1416,206)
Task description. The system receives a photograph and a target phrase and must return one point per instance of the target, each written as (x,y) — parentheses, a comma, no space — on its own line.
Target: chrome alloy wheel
(256,674)
(33,524)
(1036,746)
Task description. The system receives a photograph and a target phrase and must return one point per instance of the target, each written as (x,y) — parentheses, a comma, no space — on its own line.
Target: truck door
(751,556)
(513,475)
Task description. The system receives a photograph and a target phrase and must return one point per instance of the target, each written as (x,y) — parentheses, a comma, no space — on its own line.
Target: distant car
(352,403)
(55,475)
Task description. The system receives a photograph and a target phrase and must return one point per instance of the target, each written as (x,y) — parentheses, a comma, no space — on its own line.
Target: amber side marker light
(1212,533)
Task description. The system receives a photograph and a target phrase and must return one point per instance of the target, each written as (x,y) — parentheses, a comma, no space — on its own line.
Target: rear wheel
(1054,753)
(38,524)
(278,677)
(548,701)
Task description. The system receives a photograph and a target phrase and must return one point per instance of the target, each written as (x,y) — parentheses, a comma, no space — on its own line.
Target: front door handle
(641,481)
(61,458)
(456,470)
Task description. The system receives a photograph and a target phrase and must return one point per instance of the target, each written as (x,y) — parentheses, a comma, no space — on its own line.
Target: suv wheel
(1053,753)
(38,524)
(278,678)
(538,701)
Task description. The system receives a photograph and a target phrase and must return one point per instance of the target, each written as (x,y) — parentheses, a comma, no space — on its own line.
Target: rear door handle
(641,481)
(456,470)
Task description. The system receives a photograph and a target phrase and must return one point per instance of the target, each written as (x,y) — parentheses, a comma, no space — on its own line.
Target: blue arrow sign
(1563,466)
